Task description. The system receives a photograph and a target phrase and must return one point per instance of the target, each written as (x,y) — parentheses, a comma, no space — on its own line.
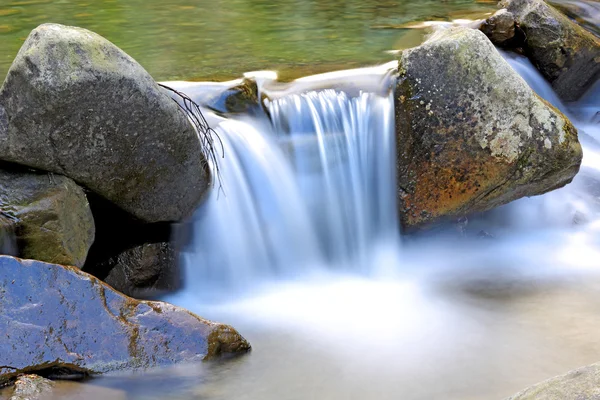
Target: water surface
(221,39)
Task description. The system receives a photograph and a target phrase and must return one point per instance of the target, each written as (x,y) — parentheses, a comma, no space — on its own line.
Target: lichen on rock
(471,134)
(75,104)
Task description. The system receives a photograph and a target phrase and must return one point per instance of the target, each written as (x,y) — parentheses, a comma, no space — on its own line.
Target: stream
(299,248)
(337,305)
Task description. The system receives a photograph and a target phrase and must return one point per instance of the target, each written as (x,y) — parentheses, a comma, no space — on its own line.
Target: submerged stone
(48,216)
(471,134)
(579,384)
(32,387)
(58,318)
(75,104)
(565,53)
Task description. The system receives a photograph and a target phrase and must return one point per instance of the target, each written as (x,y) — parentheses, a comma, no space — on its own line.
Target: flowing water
(299,249)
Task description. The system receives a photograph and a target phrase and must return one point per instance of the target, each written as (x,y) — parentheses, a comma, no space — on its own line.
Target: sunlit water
(300,251)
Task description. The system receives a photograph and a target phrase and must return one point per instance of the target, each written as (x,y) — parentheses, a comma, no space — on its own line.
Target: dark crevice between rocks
(117,231)
(55,371)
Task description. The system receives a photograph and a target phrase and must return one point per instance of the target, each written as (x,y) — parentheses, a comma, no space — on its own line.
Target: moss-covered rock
(564,52)
(471,134)
(75,104)
(239,98)
(579,384)
(50,216)
(58,319)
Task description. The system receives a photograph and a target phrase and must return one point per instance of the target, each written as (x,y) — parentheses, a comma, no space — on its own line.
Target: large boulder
(48,215)
(75,104)
(564,52)
(59,319)
(471,135)
(579,384)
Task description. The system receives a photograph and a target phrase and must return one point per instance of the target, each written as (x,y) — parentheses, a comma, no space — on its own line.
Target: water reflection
(203,39)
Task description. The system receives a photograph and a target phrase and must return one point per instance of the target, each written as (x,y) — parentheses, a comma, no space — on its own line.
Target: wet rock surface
(579,384)
(32,387)
(75,104)
(500,27)
(48,215)
(60,319)
(145,270)
(565,53)
(471,134)
(239,98)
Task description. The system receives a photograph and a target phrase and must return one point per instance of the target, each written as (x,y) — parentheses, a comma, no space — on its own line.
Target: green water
(221,39)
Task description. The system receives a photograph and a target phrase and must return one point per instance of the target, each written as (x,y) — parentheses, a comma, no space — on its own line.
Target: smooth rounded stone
(471,134)
(50,216)
(564,52)
(32,387)
(500,27)
(579,384)
(145,270)
(59,318)
(75,104)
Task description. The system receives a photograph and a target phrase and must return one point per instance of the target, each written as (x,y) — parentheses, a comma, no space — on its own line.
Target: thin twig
(205,133)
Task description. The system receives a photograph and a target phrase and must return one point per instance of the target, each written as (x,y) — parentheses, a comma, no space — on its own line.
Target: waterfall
(311,185)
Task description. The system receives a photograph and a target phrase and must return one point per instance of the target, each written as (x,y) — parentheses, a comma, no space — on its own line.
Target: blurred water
(308,186)
(302,247)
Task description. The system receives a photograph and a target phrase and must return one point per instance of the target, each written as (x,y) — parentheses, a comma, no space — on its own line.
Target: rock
(564,52)
(580,384)
(75,104)
(54,317)
(50,216)
(500,27)
(471,134)
(133,249)
(145,270)
(32,387)
(240,98)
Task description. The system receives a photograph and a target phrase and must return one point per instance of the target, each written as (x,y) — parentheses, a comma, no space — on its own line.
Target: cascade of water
(314,185)
(577,201)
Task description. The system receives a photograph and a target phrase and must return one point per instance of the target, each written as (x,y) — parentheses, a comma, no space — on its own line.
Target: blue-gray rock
(75,104)
(60,318)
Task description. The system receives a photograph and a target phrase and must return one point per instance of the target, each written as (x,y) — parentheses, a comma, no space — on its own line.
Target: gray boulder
(63,321)
(579,384)
(75,104)
(48,216)
(564,52)
(471,134)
